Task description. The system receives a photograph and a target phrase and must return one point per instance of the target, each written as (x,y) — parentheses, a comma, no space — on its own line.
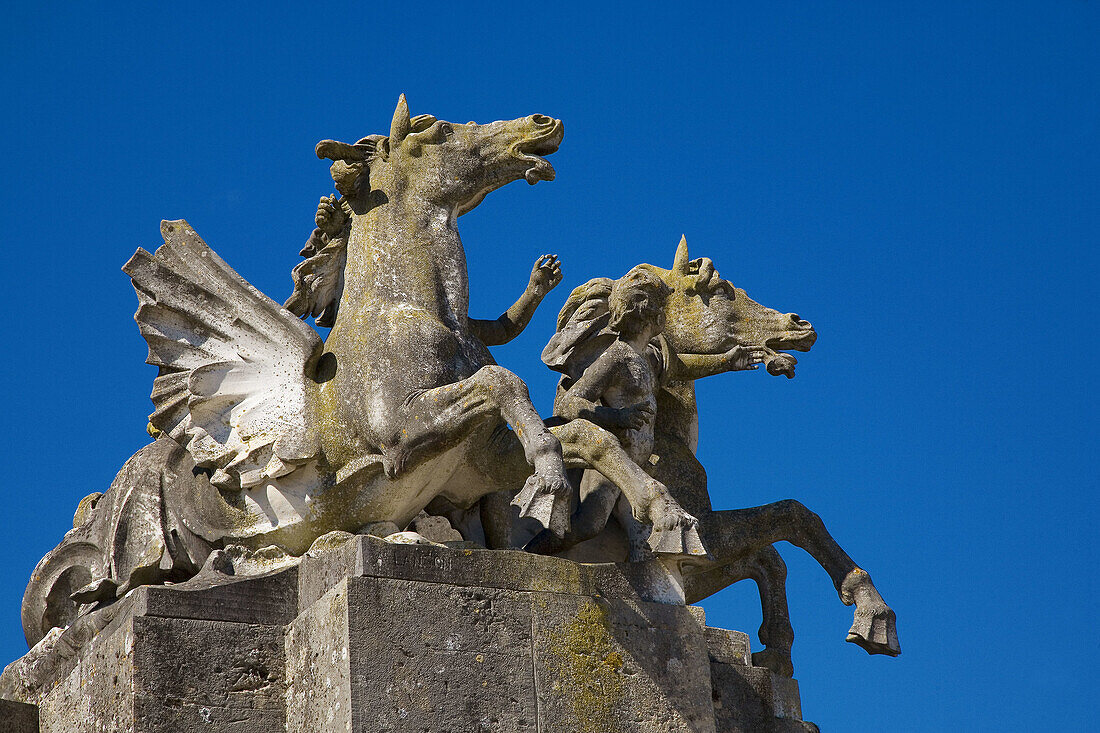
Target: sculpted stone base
(373,636)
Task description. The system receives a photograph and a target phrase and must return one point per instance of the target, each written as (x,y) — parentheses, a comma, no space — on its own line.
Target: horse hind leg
(874,625)
(767,569)
(769,572)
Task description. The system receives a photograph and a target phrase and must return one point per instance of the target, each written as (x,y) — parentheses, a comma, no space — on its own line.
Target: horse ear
(356,153)
(680,262)
(400,126)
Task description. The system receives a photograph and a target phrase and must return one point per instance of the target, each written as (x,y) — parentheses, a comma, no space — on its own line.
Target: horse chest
(396,347)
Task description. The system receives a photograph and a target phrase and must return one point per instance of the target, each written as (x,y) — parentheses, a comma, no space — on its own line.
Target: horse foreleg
(446,414)
(675,532)
(747,531)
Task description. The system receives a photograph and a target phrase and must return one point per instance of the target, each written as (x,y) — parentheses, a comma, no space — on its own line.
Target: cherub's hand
(636,416)
(782,364)
(741,358)
(330,217)
(545,275)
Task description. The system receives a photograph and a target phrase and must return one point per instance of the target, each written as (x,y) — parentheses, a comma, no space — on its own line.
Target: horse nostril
(795,320)
(541,120)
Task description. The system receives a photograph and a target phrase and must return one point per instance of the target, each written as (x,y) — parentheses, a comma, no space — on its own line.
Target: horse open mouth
(779,363)
(532,150)
(800,338)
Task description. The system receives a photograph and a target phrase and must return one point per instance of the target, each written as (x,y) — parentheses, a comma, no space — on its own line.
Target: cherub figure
(618,392)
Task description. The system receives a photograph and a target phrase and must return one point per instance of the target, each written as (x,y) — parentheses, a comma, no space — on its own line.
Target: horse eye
(447,130)
(724,289)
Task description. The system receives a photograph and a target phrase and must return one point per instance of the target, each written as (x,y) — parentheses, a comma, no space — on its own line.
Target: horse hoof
(675,532)
(875,625)
(776,660)
(681,539)
(547,502)
(876,631)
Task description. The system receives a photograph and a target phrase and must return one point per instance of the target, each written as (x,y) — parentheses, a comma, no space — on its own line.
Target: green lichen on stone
(588,667)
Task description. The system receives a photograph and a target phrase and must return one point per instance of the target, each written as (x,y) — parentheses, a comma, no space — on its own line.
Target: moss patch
(588,667)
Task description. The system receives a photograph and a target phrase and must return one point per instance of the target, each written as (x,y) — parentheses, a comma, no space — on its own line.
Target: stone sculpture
(707,315)
(618,391)
(267,436)
(271,443)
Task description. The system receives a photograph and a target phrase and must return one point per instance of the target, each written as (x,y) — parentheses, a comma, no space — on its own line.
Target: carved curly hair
(637,298)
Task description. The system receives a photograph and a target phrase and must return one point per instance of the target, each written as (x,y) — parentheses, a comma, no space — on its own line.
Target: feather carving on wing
(234,364)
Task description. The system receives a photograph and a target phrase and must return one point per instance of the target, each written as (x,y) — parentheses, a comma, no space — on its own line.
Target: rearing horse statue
(706,314)
(267,436)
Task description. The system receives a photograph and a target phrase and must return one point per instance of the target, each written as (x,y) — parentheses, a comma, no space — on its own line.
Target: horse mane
(319,279)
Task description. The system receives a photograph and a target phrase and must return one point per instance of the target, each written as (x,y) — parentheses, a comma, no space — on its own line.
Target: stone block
(264,599)
(615,665)
(18,717)
(318,666)
(190,673)
(728,647)
(412,657)
(365,556)
(97,696)
(413,639)
(786,700)
(164,674)
(754,700)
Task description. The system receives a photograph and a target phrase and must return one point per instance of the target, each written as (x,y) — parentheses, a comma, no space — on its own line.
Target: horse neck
(407,252)
(677,415)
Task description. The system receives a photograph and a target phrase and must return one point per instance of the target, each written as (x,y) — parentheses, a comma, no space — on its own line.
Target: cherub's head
(637,303)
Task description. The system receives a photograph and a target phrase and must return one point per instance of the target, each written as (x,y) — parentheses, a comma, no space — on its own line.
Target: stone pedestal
(378,637)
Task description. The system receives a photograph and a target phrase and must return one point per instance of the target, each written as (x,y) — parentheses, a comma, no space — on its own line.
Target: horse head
(706,314)
(446,164)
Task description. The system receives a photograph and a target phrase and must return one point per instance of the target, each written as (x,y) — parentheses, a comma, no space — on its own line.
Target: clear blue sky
(919,180)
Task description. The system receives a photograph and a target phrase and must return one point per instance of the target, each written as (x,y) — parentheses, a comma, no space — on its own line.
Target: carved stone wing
(233,363)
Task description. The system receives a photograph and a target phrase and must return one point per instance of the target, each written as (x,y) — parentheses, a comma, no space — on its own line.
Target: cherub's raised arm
(686,367)
(545,276)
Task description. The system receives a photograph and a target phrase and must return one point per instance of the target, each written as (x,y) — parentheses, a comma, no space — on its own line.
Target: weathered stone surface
(412,654)
(755,700)
(576,660)
(460,662)
(318,666)
(264,599)
(615,665)
(365,556)
(164,674)
(98,694)
(29,678)
(156,667)
(18,717)
(729,647)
